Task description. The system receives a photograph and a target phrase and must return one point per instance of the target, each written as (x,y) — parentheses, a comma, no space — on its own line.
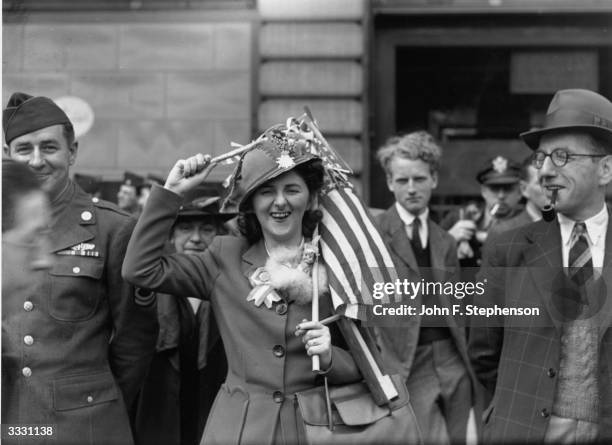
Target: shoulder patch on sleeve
(144,297)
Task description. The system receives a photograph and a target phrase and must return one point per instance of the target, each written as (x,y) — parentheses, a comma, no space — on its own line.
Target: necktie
(580,261)
(415,239)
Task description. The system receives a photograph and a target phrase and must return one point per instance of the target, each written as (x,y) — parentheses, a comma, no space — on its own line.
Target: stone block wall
(163,85)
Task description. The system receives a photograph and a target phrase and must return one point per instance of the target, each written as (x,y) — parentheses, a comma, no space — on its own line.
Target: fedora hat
(574,110)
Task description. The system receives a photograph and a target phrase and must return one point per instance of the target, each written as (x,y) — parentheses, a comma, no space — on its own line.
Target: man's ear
(605,170)
(6,150)
(523,187)
(434,177)
(74,148)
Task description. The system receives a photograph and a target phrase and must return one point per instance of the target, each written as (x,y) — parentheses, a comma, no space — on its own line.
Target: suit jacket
(518,362)
(91,342)
(399,344)
(267,363)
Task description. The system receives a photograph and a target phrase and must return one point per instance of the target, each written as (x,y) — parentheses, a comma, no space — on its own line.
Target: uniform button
(89,399)
(28,340)
(28,306)
(281,309)
(86,216)
(76,269)
(551,372)
(544,413)
(27,372)
(278,396)
(95,199)
(278,351)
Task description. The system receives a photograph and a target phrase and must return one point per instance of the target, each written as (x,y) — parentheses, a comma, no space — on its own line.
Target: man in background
(430,352)
(189,365)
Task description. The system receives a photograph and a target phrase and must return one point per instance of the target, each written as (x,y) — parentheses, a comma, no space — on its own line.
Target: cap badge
(285,160)
(500,164)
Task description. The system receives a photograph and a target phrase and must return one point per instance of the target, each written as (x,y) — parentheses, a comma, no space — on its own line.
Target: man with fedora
(550,376)
(76,344)
(190,362)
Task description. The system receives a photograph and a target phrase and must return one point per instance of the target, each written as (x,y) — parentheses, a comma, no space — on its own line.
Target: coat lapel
(400,243)
(543,259)
(72,226)
(255,256)
(606,273)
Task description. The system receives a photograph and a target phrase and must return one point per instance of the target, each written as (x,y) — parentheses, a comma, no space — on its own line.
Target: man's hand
(463,230)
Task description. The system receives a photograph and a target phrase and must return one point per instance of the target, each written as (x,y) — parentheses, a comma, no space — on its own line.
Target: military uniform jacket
(267,363)
(76,346)
(519,364)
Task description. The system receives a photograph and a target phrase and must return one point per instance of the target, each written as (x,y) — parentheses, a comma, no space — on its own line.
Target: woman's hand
(188,173)
(317,340)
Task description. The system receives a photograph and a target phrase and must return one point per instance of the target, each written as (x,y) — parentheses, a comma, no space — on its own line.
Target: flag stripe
(346,241)
(374,260)
(342,280)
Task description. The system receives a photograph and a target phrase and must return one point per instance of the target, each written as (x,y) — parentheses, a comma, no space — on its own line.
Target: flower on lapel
(262,291)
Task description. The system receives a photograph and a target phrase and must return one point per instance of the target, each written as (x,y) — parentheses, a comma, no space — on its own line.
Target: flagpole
(316,365)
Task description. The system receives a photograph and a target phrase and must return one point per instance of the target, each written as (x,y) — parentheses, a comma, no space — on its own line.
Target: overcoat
(185,375)
(76,346)
(267,363)
(518,362)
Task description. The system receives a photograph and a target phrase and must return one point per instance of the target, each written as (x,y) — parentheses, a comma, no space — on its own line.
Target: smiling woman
(259,285)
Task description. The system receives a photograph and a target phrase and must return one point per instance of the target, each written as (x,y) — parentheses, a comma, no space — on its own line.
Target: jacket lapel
(543,259)
(400,243)
(255,256)
(72,226)
(606,273)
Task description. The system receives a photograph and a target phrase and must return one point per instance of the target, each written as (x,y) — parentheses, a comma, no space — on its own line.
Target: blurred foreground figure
(76,345)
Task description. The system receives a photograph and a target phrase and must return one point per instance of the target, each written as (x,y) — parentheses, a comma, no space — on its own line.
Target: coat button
(278,351)
(28,306)
(76,269)
(28,340)
(281,308)
(278,396)
(27,372)
(86,216)
(89,399)
(551,372)
(544,413)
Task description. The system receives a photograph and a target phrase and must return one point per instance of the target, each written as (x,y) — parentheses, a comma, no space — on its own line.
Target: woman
(260,313)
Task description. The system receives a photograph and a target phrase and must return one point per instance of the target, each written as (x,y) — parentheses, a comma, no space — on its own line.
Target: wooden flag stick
(316,366)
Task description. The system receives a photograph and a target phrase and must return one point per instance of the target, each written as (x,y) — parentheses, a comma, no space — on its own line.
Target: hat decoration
(287,145)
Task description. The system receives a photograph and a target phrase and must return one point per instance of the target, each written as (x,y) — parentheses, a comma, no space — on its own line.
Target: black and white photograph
(306,222)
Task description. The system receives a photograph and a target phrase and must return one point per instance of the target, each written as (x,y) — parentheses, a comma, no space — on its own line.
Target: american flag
(355,255)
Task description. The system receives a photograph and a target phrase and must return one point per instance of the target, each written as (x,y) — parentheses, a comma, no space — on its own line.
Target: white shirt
(596,236)
(408,219)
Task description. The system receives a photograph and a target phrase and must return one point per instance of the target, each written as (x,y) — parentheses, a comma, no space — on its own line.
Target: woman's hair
(17,182)
(312,174)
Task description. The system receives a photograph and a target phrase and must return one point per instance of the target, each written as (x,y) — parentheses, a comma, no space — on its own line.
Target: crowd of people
(174,318)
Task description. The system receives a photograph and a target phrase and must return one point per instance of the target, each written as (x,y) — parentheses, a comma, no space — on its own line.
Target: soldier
(76,345)
(499,187)
(128,194)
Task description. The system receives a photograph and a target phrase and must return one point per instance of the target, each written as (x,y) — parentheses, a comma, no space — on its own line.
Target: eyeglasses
(559,157)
